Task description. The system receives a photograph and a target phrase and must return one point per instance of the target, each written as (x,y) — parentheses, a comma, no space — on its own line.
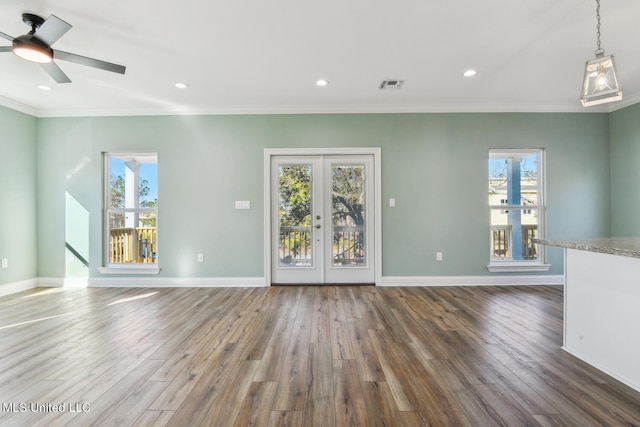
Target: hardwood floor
(298,356)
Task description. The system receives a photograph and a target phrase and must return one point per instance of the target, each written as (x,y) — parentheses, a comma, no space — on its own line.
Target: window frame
(123,268)
(498,266)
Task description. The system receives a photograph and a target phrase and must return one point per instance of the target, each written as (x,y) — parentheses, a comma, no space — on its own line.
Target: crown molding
(330,109)
(625,102)
(315,109)
(14,105)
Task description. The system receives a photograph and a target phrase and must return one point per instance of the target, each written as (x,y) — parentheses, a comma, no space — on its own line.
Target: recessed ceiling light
(181,85)
(322,82)
(43,87)
(469,73)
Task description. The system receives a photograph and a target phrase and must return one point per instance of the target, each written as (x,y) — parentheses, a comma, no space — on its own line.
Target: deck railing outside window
(348,245)
(295,245)
(128,245)
(501,240)
(529,232)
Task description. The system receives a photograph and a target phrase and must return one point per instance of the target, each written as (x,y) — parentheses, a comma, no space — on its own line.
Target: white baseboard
(153,282)
(59,282)
(502,280)
(634,386)
(176,282)
(253,282)
(23,285)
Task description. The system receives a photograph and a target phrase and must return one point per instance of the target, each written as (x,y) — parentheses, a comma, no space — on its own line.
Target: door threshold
(323,284)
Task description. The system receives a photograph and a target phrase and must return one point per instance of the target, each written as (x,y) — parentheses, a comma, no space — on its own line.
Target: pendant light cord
(600,50)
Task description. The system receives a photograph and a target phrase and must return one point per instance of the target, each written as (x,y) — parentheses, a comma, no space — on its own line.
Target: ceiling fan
(35,46)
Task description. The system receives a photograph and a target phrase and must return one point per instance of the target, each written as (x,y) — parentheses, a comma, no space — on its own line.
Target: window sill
(128,269)
(517,267)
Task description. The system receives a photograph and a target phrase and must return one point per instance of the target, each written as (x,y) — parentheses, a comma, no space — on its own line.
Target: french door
(322,219)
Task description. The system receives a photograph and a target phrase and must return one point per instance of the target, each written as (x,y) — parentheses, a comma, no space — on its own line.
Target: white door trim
(377,167)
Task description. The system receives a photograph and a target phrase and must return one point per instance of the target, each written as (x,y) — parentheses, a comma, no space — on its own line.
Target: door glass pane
(295,247)
(348,215)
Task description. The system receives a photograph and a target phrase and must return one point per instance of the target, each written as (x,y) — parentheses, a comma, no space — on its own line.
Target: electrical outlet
(392,203)
(438,256)
(5,262)
(200,257)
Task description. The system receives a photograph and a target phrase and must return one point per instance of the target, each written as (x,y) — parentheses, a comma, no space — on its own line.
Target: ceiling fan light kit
(600,84)
(32,50)
(35,46)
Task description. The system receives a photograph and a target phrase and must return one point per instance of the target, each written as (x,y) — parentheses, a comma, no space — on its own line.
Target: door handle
(318,226)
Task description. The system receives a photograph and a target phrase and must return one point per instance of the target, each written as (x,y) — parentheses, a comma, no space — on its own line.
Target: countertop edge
(622,246)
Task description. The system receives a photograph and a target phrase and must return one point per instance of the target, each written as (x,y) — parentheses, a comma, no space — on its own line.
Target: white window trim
(129,269)
(122,269)
(520,266)
(517,266)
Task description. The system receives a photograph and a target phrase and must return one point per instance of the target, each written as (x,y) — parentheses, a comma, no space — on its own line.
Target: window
(131,212)
(516,203)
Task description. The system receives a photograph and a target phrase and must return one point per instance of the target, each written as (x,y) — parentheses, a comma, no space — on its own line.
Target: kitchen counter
(602,303)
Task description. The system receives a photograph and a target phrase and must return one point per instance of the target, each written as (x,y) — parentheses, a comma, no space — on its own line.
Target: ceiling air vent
(391,84)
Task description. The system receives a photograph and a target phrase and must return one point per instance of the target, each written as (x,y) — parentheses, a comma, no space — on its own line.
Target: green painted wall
(435,165)
(17,196)
(625,171)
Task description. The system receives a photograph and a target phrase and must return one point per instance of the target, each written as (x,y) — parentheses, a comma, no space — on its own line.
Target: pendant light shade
(600,83)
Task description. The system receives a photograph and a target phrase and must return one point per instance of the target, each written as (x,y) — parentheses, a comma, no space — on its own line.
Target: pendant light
(600,80)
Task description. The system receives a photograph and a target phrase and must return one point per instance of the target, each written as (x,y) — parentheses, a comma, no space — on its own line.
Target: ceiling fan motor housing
(34,21)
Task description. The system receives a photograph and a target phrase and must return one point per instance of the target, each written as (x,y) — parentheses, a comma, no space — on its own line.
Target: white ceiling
(258,56)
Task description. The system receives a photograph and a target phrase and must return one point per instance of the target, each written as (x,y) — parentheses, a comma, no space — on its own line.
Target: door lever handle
(318,226)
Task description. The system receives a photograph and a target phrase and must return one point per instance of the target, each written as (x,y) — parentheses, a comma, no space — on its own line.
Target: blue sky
(149,171)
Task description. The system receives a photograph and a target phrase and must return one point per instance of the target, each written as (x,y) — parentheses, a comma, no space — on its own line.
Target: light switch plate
(243,204)
(5,263)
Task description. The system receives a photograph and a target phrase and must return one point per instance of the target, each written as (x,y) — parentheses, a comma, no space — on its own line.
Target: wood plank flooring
(298,356)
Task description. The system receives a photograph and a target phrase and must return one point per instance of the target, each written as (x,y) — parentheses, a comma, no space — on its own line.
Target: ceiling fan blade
(56,72)
(6,36)
(90,62)
(6,48)
(51,30)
